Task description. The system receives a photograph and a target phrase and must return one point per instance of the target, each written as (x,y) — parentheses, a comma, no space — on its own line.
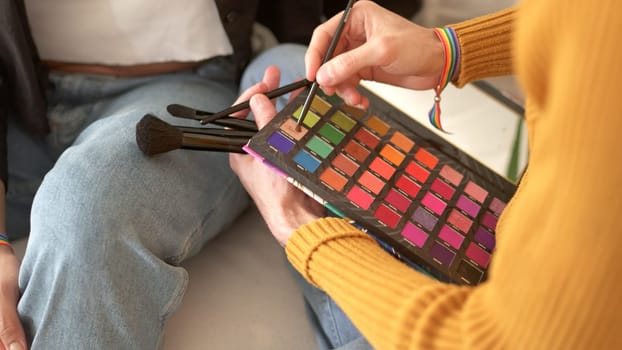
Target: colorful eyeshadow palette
(422,198)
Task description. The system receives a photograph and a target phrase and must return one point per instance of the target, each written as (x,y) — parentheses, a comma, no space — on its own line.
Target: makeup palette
(422,198)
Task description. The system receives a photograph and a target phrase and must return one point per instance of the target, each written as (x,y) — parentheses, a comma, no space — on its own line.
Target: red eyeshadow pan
(426,158)
(382,168)
(345,164)
(359,197)
(367,138)
(477,254)
(387,216)
(371,182)
(407,185)
(357,151)
(442,189)
(398,200)
(415,170)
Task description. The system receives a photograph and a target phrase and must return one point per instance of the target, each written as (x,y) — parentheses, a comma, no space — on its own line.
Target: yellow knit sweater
(553,280)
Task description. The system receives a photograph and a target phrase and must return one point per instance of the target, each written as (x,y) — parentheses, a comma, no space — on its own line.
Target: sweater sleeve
(485,46)
(552,282)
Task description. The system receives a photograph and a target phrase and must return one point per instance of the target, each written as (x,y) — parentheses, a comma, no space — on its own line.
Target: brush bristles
(155,136)
(182,111)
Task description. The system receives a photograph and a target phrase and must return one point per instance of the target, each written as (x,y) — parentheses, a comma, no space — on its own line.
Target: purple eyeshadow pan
(281,143)
(425,218)
(468,206)
(441,254)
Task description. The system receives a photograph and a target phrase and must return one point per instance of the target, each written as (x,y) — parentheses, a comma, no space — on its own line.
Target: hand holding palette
(423,199)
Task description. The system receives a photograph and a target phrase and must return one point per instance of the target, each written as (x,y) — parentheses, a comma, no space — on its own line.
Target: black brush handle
(246,104)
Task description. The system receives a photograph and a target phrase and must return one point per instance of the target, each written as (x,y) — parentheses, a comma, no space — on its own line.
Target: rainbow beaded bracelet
(4,240)
(452,58)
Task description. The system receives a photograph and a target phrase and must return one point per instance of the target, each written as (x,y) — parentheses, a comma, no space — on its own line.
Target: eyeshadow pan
(320,105)
(489,220)
(391,154)
(371,182)
(345,164)
(359,197)
(382,168)
(414,235)
(331,133)
(402,142)
(307,161)
(387,216)
(425,218)
(407,185)
(280,142)
(459,221)
(475,191)
(441,254)
(415,170)
(469,273)
(357,151)
(354,112)
(310,119)
(485,238)
(333,179)
(451,175)
(433,203)
(343,121)
(497,206)
(442,189)
(468,206)
(320,147)
(289,127)
(426,158)
(377,125)
(397,200)
(478,255)
(450,236)
(368,139)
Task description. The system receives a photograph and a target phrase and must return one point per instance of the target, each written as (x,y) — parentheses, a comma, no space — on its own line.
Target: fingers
(320,40)
(270,81)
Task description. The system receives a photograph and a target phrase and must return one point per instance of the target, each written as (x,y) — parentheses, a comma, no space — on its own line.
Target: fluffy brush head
(154,136)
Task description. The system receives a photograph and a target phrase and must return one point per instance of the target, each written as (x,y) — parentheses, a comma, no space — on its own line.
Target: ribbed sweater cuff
(486,46)
(311,237)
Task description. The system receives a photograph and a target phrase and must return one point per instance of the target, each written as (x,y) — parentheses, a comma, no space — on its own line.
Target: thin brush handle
(246,104)
(327,56)
(218,132)
(216,148)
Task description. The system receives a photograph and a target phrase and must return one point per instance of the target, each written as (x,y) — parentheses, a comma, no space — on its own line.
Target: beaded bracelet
(4,240)
(452,58)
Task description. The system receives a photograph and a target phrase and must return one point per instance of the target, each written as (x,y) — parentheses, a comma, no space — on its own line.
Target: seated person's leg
(110,225)
(332,327)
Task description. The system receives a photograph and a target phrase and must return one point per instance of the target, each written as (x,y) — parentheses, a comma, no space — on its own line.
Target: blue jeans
(109,226)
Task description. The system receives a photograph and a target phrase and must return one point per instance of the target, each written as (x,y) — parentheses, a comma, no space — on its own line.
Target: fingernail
(16,346)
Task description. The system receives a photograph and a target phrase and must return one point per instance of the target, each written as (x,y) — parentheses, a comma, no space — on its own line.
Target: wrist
(5,244)
(284,222)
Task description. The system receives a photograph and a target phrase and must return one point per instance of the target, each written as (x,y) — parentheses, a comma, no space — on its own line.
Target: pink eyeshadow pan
(476,192)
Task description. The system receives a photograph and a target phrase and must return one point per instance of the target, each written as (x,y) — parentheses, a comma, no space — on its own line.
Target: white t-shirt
(127,32)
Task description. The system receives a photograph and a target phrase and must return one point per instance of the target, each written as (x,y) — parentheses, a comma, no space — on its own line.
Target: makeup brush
(182,111)
(154,136)
(327,56)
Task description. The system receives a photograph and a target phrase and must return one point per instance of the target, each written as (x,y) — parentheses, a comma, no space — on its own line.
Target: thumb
(263,110)
(11,331)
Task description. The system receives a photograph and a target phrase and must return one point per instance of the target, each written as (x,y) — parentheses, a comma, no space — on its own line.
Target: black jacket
(23,79)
